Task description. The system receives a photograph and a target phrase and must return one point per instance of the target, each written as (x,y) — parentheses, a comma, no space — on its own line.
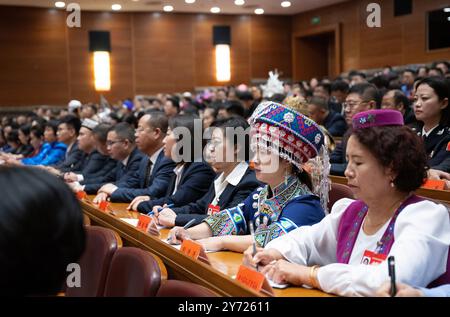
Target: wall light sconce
(100,46)
(222,42)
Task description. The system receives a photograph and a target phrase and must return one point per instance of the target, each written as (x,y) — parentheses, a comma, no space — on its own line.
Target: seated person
(51,151)
(386,159)
(333,122)
(42,232)
(235,180)
(192,176)
(155,170)
(121,148)
(396,100)
(286,202)
(96,163)
(68,131)
(432,110)
(361,97)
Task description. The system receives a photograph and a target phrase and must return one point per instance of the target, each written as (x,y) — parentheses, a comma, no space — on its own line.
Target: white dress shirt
(233,179)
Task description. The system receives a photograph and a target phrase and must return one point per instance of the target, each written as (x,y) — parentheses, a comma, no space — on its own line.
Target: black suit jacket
(158,182)
(230,197)
(196,178)
(74,160)
(119,174)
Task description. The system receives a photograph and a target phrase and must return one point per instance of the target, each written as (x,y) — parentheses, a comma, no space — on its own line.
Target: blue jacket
(158,182)
(195,181)
(50,153)
(230,197)
(120,173)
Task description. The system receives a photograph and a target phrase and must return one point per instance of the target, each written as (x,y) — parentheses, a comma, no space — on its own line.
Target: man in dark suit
(121,147)
(155,170)
(332,121)
(96,162)
(67,133)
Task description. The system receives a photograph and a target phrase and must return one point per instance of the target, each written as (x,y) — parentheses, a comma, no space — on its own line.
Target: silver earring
(392,184)
(286,177)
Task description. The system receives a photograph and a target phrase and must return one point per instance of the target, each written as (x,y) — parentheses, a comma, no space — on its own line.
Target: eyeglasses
(111,143)
(353,104)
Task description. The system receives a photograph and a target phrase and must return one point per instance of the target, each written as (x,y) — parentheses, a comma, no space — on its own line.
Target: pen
(391,265)
(252,233)
(186,226)
(151,213)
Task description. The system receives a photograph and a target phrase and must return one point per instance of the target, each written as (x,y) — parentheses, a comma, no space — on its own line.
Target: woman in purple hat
(346,252)
(283,140)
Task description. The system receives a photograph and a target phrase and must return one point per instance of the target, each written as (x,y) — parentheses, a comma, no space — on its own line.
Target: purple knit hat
(377,118)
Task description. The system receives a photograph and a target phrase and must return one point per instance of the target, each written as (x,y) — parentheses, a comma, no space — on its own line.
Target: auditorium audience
(155,170)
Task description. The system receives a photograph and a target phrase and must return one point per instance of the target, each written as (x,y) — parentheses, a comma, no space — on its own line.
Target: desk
(216,276)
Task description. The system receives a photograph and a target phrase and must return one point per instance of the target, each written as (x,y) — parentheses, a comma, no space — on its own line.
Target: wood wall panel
(163,52)
(81,61)
(400,40)
(33,60)
(271,45)
(151,52)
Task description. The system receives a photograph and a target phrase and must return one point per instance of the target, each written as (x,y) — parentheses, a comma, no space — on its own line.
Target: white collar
(426,134)
(234,177)
(155,155)
(125,161)
(177,170)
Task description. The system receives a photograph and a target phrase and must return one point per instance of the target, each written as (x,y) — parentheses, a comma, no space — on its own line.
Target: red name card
(434,184)
(194,250)
(81,194)
(253,279)
(147,224)
(103,206)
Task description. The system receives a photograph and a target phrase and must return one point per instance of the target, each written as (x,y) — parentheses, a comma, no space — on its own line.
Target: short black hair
(41,231)
(400,97)
(52,124)
(25,128)
(72,122)
(356,73)
(101,132)
(320,102)
(175,102)
(124,131)
(37,131)
(13,136)
(367,92)
(234,107)
(339,85)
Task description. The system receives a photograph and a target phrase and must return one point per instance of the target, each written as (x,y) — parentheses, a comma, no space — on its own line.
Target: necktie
(147,173)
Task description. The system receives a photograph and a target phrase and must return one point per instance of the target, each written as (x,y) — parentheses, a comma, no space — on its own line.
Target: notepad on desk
(134,222)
